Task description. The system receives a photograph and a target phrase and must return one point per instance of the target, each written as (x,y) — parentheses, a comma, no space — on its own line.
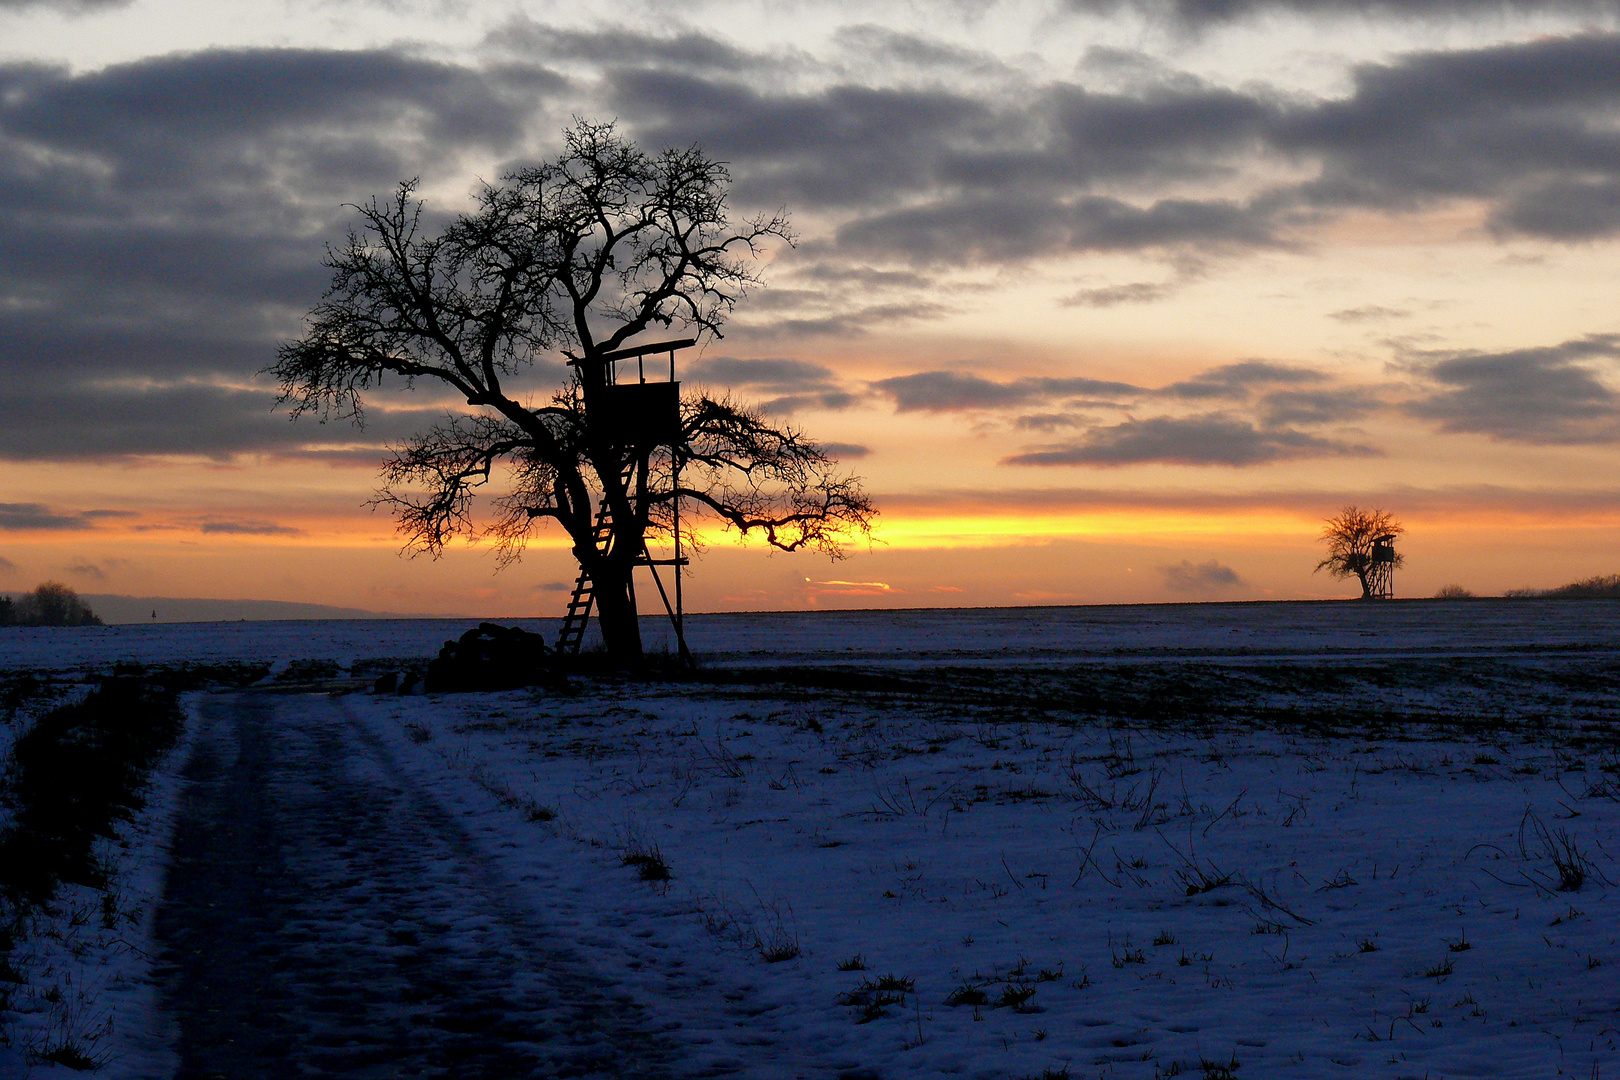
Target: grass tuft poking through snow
(649,863)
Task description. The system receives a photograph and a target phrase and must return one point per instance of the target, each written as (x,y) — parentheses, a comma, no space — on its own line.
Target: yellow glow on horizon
(1002,528)
(904,529)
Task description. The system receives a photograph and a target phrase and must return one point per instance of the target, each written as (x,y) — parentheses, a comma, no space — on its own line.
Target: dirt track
(323,918)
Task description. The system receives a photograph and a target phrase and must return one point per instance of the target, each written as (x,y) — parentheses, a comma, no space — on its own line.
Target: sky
(1106,300)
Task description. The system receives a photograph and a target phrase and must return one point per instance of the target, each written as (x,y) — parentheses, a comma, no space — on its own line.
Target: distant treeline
(50,604)
(1600,587)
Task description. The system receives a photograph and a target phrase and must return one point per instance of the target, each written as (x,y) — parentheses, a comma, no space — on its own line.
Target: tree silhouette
(576,256)
(1351,535)
(52,604)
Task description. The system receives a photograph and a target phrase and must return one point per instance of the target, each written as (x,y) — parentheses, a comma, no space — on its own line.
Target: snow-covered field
(1000,636)
(1289,840)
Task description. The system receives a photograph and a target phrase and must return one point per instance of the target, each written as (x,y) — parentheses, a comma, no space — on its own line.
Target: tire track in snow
(321,917)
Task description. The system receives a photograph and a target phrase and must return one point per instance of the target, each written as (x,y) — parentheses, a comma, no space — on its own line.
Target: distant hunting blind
(1381,571)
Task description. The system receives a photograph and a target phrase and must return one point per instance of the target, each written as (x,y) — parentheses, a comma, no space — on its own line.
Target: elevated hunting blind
(636,417)
(1381,569)
(641,414)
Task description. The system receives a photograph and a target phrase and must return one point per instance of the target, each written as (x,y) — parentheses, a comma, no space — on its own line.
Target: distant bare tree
(1600,587)
(577,256)
(1351,535)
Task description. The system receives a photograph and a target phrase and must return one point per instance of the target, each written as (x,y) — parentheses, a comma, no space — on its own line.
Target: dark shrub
(80,768)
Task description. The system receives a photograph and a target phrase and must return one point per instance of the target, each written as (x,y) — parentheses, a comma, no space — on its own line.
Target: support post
(675,482)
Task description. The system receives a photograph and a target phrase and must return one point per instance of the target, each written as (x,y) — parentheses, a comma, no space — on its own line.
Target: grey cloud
(862,277)
(619,46)
(1208,439)
(986,229)
(842,146)
(30,517)
(795,384)
(82,422)
(1514,120)
(1182,129)
(940,175)
(8,568)
(843,450)
(792,403)
(1541,396)
(1201,13)
(249,528)
(778,374)
(218,170)
(361,457)
(1368,313)
(854,321)
(1563,210)
(1238,381)
(892,48)
(1205,577)
(1333,405)
(128,298)
(161,124)
(1080,387)
(842,300)
(852,145)
(163,219)
(162,223)
(947,391)
(936,175)
(1137,292)
(1063,138)
(1051,421)
(68,7)
(88,570)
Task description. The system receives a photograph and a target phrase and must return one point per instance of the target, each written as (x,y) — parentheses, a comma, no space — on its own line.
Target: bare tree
(576,257)
(1352,535)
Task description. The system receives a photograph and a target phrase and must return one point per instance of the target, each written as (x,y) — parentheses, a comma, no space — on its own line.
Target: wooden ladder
(579,605)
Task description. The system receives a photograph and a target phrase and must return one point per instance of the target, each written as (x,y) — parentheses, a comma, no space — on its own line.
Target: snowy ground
(1209,840)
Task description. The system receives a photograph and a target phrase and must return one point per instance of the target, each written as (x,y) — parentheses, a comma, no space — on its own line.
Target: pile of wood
(492,657)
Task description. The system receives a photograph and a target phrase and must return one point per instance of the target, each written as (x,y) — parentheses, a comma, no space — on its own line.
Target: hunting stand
(1381,567)
(641,416)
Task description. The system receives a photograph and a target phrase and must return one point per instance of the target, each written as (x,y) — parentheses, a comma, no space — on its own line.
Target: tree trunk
(616,612)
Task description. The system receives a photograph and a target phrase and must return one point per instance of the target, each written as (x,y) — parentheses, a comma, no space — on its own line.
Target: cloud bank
(163,220)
